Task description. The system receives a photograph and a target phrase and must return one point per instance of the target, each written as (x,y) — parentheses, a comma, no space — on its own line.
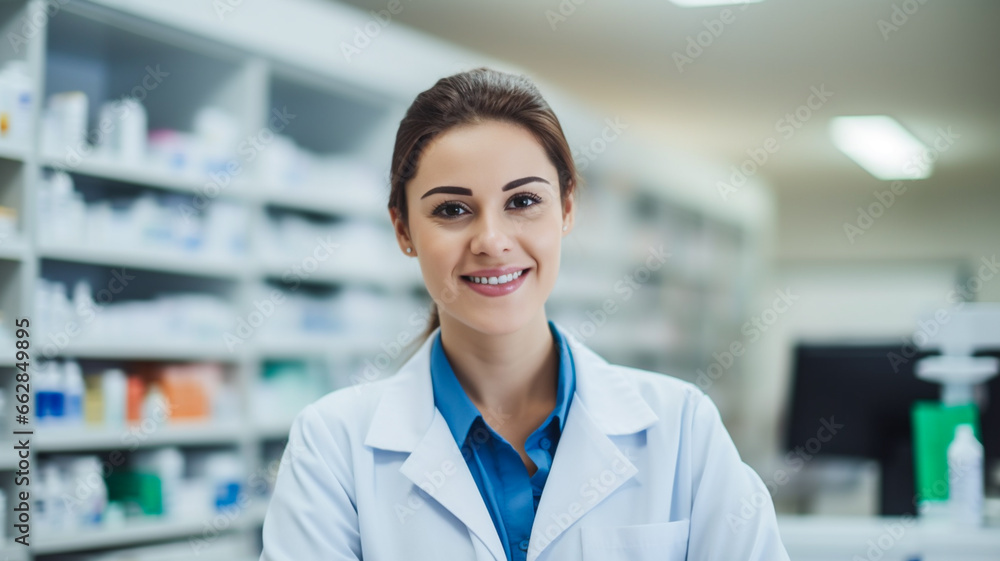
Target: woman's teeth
(503,279)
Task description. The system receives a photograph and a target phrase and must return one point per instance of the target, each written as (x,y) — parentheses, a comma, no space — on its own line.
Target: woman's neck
(514,374)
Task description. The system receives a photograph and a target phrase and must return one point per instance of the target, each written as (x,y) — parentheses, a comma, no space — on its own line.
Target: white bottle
(49,504)
(113,387)
(66,125)
(965,478)
(59,306)
(224,473)
(125,140)
(67,210)
(73,388)
(16,100)
(84,307)
(87,486)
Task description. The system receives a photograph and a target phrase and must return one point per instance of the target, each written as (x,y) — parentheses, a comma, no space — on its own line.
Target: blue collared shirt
(510,494)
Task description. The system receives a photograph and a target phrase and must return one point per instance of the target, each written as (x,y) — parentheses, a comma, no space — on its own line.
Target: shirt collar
(459,411)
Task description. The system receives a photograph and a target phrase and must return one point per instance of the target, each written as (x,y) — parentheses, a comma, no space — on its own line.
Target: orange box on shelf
(186,395)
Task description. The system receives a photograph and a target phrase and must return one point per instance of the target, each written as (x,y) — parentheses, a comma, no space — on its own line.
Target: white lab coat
(644,470)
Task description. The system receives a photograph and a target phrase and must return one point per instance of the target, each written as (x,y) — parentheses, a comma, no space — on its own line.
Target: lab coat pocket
(663,541)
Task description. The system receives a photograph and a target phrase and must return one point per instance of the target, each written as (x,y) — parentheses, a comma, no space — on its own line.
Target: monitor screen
(868,391)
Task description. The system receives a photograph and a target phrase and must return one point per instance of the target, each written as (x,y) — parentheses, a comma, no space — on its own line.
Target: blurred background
(793,205)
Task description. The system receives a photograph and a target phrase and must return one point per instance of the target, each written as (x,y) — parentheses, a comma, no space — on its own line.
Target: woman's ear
(569,211)
(402,232)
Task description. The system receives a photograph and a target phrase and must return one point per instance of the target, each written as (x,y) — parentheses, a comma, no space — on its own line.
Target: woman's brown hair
(472,97)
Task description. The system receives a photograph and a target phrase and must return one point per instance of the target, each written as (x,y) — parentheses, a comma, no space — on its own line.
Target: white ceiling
(939,69)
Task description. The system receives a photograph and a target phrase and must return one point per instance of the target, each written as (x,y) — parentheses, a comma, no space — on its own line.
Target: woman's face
(486,197)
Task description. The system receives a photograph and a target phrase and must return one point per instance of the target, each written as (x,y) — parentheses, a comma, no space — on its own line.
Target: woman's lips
(497,289)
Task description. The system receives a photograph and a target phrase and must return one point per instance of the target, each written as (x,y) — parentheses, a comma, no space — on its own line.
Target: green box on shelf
(933,430)
(144,490)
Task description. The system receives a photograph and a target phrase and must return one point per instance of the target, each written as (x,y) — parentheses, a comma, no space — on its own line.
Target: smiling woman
(486,206)
(503,437)
(490,141)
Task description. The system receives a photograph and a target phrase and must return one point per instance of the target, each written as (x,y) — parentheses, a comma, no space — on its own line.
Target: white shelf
(149,350)
(8,459)
(138,531)
(11,152)
(273,430)
(12,551)
(829,538)
(8,359)
(338,273)
(316,200)
(54,439)
(144,175)
(304,345)
(148,259)
(13,250)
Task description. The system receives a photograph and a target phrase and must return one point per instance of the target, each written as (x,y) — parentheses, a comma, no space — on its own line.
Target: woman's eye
(530,198)
(448,209)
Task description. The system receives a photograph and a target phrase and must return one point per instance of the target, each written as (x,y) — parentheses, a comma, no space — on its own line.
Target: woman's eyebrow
(468,192)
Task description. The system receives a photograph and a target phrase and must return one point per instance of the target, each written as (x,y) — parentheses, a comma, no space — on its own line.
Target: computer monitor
(856,385)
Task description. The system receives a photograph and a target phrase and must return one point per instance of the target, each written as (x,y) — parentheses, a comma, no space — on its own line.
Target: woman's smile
(496,285)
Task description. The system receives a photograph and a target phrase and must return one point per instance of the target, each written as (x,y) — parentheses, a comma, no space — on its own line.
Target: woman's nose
(492,234)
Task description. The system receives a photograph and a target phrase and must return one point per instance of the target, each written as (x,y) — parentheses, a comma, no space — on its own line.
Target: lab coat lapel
(605,403)
(406,420)
(437,467)
(588,466)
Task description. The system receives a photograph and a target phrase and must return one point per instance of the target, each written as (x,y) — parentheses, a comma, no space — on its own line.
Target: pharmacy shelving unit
(695,268)
(253,60)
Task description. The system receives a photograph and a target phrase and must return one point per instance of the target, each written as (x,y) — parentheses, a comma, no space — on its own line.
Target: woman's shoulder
(660,385)
(676,401)
(681,407)
(658,389)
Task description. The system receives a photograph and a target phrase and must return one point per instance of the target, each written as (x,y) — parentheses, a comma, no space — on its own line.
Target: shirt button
(545,443)
(523,545)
